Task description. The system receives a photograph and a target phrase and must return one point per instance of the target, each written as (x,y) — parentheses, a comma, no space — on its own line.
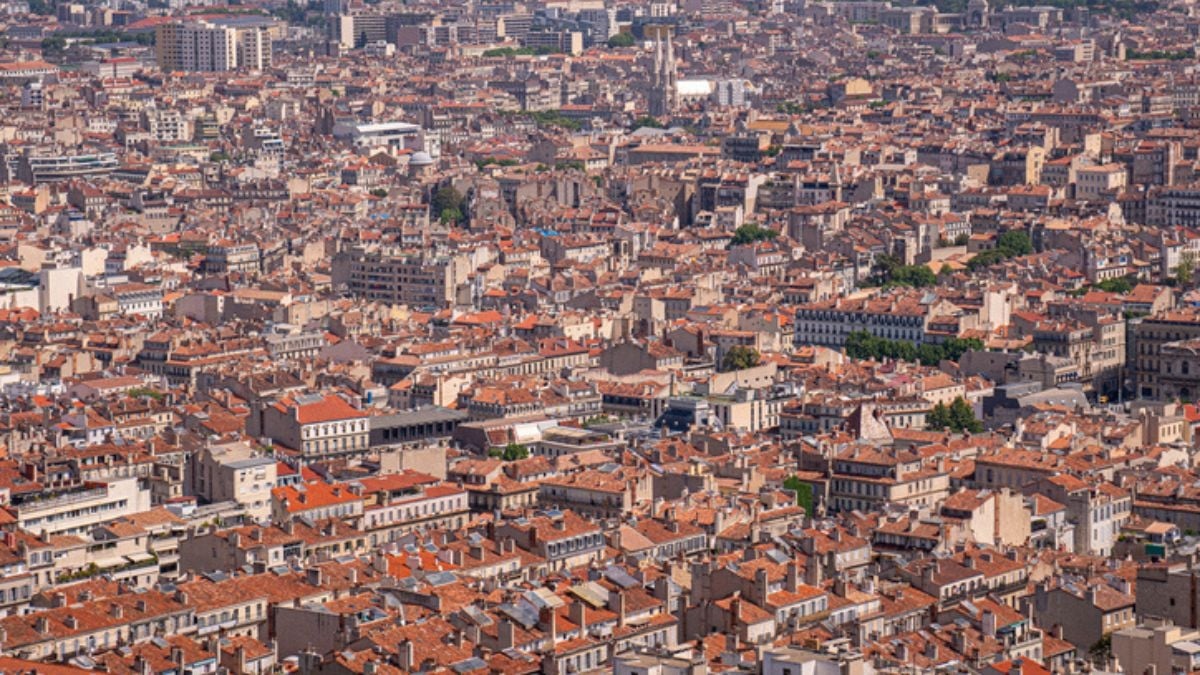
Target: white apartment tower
(204,46)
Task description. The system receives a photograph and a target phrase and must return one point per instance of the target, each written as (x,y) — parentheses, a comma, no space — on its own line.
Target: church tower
(664,90)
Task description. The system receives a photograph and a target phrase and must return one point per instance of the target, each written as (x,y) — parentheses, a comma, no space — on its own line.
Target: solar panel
(473,663)
(523,615)
(440,578)
(620,577)
(477,616)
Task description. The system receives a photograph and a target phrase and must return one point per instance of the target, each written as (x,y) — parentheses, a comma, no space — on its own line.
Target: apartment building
(318,426)
(210,46)
(1159,367)
(233,472)
(400,278)
(80,508)
(865,477)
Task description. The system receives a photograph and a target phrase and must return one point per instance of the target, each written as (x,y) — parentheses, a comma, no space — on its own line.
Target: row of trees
(863,345)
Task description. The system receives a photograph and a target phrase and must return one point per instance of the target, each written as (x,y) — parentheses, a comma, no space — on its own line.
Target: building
(1156,646)
(233,472)
(209,46)
(1159,367)
(79,509)
(400,278)
(317,426)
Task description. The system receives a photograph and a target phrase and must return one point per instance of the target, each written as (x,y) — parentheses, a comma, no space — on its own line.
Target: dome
(420,158)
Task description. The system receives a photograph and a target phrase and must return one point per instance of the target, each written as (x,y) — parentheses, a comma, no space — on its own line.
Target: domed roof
(420,158)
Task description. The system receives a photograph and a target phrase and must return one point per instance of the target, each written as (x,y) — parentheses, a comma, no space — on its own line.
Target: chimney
(43,624)
(989,623)
(793,576)
(116,611)
(578,615)
(177,657)
(549,624)
(60,600)
(353,576)
(762,587)
(504,633)
(404,654)
(813,573)
(616,605)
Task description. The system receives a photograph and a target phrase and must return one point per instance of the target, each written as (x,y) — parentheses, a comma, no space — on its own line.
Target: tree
(514,451)
(647,121)
(1101,651)
(863,345)
(620,40)
(1118,285)
(915,276)
(803,491)
(1185,269)
(740,358)
(957,417)
(447,203)
(962,417)
(1014,243)
(752,232)
(379,192)
(1011,244)
(938,418)
(510,453)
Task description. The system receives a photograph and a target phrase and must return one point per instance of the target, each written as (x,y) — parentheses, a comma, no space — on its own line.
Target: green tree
(379,192)
(1185,269)
(447,203)
(1101,652)
(620,40)
(648,122)
(752,232)
(740,358)
(514,451)
(1118,285)
(863,345)
(1014,243)
(938,418)
(915,276)
(803,491)
(962,417)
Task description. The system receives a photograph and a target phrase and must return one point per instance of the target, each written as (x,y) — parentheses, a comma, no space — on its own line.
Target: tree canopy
(863,345)
(740,358)
(447,203)
(621,40)
(1011,244)
(957,417)
(752,232)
